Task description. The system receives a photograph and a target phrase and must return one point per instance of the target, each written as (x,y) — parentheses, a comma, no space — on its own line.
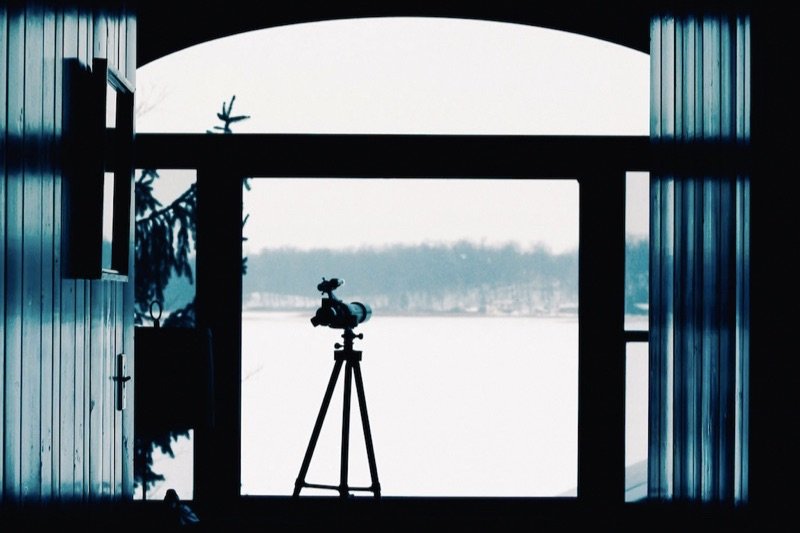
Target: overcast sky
(404,75)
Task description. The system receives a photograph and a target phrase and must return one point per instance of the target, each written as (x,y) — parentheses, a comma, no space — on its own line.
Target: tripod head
(347,347)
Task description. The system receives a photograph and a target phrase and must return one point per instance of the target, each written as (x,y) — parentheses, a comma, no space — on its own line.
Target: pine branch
(183,198)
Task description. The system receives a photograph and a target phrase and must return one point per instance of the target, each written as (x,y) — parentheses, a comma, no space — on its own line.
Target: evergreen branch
(174,206)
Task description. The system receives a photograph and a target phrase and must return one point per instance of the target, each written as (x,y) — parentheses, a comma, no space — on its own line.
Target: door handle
(121,379)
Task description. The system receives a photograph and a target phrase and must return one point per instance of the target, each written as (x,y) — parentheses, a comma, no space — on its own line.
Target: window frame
(599,163)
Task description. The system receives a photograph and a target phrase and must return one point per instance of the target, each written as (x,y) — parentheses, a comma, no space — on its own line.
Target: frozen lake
(459,406)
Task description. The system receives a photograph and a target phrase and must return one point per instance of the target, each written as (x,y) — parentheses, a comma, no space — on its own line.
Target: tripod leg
(362,403)
(348,378)
(326,401)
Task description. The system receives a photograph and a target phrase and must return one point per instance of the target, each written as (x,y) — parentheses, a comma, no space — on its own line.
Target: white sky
(404,75)
(349,213)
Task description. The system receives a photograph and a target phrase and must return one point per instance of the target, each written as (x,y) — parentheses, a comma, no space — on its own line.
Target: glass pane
(636,420)
(177,471)
(108,219)
(637,250)
(165,224)
(470,357)
(164,273)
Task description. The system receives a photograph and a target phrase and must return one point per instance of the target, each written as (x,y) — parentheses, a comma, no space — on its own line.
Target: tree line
(427,277)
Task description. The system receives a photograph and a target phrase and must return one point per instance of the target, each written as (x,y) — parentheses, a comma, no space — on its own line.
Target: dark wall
(624,23)
(61,436)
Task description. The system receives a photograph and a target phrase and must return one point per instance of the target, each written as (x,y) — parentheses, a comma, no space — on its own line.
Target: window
(621,79)
(637,251)
(164,218)
(470,357)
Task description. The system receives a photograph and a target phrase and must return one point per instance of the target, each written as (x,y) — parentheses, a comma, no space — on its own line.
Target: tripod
(352,358)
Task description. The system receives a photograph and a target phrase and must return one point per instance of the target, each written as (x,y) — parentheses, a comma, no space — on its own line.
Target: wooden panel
(32,258)
(118,348)
(83,306)
(116,415)
(13,253)
(127,414)
(87,388)
(95,404)
(80,464)
(112,51)
(86,28)
(111,476)
(85,54)
(99,463)
(121,42)
(129,51)
(99,42)
(58,40)
(13,256)
(130,47)
(3,62)
(68,392)
(48,366)
(71,32)
(82,37)
(106,400)
(70,410)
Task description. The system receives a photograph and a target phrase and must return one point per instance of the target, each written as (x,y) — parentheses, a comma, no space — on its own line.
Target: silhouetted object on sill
(336,314)
(180,513)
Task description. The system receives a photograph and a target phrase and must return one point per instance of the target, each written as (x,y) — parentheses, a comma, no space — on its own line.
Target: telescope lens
(340,315)
(360,312)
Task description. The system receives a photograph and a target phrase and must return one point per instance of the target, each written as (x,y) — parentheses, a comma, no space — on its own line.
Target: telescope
(335,313)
